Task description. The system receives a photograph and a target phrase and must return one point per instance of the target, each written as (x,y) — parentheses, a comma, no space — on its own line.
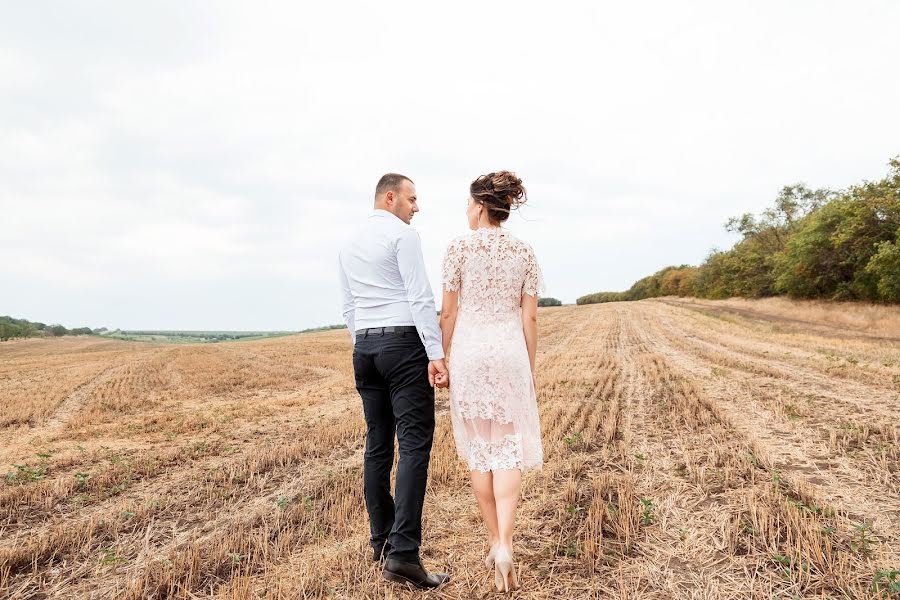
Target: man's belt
(364,333)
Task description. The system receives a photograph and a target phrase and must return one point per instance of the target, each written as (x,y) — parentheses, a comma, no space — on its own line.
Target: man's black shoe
(401,572)
(380,554)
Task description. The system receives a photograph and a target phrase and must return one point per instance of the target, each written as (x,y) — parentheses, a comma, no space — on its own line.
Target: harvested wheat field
(693,450)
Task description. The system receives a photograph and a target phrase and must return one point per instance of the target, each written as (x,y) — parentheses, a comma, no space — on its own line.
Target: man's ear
(389,198)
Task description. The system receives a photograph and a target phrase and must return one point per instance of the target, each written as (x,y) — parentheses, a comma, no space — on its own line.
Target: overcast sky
(197,165)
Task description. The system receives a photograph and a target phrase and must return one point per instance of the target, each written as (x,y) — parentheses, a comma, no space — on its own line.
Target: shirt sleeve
(451,272)
(534,279)
(348,305)
(418,291)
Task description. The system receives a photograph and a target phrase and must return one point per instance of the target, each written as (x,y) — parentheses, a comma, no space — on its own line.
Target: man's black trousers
(391,371)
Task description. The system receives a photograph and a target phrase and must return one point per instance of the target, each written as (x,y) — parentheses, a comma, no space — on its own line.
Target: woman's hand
(437,373)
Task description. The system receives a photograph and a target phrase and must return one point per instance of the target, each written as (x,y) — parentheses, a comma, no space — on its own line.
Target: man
(398,358)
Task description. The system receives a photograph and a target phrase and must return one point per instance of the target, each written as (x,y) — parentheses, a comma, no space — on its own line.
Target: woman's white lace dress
(492,397)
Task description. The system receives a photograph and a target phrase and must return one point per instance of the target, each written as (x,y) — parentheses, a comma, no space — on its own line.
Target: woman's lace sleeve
(452,268)
(534,279)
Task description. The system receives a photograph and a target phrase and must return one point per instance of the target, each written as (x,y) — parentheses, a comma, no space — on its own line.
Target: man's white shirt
(384,283)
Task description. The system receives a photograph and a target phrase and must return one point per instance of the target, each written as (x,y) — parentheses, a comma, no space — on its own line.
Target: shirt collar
(380,212)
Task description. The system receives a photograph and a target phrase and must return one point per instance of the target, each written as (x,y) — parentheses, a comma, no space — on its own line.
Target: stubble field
(692,450)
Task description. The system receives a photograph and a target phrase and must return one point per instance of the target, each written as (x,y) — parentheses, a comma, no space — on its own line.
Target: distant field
(193,337)
(694,449)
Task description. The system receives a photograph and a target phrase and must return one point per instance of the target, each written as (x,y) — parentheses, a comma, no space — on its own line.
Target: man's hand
(437,374)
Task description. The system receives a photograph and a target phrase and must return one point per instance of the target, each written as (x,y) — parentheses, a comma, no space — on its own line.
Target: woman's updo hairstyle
(500,193)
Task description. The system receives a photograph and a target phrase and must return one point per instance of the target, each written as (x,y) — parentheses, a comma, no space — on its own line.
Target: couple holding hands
(490,282)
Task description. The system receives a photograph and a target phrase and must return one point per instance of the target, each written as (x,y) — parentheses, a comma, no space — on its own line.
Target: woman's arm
(449,309)
(529,326)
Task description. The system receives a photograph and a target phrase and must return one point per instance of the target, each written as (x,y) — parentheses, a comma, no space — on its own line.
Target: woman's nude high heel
(505,577)
(489,559)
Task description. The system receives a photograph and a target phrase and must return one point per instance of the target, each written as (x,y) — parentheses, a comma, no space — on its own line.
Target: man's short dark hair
(390,182)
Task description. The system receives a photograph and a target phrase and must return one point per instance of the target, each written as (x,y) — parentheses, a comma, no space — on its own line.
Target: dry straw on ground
(693,450)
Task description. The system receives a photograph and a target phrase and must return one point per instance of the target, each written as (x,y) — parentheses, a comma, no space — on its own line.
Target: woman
(489,313)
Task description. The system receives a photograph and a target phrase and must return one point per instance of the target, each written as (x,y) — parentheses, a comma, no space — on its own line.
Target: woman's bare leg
(483,486)
(506,497)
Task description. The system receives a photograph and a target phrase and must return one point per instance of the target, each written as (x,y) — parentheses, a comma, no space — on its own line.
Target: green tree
(748,268)
(884,267)
(13,328)
(809,243)
(678,281)
(549,302)
(601,297)
(773,225)
(829,253)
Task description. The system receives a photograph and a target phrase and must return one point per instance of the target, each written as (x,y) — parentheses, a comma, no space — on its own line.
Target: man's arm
(418,290)
(347,302)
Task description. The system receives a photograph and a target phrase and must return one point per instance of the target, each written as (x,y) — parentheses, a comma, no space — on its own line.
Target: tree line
(837,245)
(22,328)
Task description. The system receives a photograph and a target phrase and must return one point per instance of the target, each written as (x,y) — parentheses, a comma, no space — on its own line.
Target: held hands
(438,376)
